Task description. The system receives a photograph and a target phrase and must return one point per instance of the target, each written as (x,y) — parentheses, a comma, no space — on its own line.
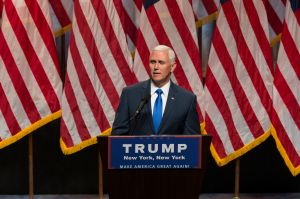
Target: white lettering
(130,157)
(167,148)
(153,150)
(127,146)
(146,157)
(139,148)
(181,147)
(125,166)
(174,157)
(158,157)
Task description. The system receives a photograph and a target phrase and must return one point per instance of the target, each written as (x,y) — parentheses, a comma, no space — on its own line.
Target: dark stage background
(262,169)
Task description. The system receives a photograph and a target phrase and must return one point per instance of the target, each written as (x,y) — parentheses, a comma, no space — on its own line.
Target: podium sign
(154,152)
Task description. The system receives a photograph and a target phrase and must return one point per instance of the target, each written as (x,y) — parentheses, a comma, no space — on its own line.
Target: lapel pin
(172,98)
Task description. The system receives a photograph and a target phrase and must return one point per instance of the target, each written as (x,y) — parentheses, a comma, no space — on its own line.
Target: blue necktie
(157,111)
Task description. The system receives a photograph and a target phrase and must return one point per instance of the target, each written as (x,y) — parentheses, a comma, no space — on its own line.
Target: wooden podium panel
(153,183)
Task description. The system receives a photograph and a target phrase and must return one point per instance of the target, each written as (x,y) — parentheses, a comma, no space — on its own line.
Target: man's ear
(173,66)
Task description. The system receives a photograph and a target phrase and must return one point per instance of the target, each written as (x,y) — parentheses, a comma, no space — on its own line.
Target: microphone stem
(143,102)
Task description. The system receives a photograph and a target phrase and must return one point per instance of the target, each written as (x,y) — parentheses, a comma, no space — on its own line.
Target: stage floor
(202,196)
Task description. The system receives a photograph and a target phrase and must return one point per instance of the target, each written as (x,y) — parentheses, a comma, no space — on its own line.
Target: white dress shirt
(164,95)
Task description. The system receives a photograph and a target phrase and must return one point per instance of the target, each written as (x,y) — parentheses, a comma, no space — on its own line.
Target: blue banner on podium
(154,152)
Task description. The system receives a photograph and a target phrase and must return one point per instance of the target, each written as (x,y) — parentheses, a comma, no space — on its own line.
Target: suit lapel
(147,89)
(170,106)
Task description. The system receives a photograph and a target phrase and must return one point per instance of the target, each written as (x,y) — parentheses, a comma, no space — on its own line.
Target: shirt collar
(164,88)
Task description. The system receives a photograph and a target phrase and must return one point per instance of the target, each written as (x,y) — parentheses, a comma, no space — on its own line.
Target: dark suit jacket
(180,115)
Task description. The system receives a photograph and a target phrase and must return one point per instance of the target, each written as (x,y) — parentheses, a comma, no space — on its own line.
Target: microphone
(144,101)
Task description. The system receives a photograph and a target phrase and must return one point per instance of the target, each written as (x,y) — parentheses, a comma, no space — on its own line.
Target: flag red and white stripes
(275,12)
(131,11)
(204,8)
(30,80)
(239,80)
(171,23)
(61,15)
(286,92)
(98,68)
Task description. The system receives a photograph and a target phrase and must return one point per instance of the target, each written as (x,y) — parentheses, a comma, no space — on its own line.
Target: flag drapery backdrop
(61,15)
(239,80)
(275,11)
(171,23)
(236,104)
(98,68)
(130,19)
(205,10)
(286,93)
(30,80)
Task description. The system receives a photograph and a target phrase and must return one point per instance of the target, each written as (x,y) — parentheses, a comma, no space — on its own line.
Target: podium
(154,183)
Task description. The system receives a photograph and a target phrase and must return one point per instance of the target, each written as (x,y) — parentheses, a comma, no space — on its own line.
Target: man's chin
(158,82)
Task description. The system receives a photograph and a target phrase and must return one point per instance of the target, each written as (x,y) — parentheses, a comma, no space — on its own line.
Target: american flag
(30,82)
(130,20)
(171,23)
(239,80)
(98,68)
(61,15)
(205,10)
(275,12)
(286,92)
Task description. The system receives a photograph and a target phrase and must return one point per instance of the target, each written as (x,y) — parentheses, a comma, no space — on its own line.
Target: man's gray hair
(172,56)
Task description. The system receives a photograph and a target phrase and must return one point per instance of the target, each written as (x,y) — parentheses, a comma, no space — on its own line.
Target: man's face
(160,67)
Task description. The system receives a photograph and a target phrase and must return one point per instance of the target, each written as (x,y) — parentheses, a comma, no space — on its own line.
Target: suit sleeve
(192,123)
(121,122)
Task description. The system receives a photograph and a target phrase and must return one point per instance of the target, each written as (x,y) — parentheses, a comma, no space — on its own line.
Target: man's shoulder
(136,86)
(183,91)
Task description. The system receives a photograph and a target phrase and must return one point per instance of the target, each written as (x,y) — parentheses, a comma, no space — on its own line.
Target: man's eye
(152,62)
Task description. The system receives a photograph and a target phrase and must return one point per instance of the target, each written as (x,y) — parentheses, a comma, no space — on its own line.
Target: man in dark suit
(157,106)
